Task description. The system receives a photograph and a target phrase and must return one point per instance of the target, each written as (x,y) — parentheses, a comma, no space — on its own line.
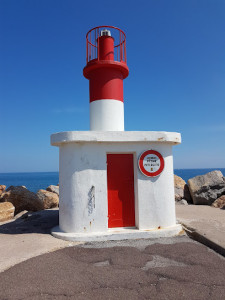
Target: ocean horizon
(35,181)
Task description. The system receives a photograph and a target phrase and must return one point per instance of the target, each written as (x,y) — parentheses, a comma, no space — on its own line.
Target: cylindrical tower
(106,68)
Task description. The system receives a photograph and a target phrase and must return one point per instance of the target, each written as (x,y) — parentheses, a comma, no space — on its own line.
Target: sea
(41,180)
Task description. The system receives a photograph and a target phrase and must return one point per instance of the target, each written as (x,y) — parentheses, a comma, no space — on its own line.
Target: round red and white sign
(151,163)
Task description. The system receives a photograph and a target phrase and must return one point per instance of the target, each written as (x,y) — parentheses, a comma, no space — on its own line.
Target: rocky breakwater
(182,193)
(208,189)
(17,199)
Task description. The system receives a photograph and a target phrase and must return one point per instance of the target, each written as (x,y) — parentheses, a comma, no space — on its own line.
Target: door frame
(135,187)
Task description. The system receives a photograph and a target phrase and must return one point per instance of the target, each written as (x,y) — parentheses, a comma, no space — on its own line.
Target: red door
(120,179)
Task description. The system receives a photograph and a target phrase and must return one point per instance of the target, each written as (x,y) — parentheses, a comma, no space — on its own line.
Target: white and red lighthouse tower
(106,69)
(113,184)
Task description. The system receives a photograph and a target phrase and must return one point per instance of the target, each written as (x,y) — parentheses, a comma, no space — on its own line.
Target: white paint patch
(162,262)
(102,263)
(151,163)
(107,115)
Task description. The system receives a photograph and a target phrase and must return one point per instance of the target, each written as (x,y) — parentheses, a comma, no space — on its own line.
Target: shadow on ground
(32,222)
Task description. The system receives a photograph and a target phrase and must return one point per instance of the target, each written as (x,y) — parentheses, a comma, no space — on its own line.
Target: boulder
(22,199)
(2,189)
(6,211)
(53,189)
(48,199)
(220,202)
(183,202)
(205,189)
(181,189)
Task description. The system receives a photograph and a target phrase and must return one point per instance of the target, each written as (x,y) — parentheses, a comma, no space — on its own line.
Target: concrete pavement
(30,236)
(27,237)
(205,224)
(165,268)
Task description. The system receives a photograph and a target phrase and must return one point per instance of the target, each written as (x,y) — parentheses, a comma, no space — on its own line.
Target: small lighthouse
(106,69)
(113,184)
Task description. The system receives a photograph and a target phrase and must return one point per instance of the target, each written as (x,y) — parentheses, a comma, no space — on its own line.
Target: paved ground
(27,237)
(175,268)
(169,268)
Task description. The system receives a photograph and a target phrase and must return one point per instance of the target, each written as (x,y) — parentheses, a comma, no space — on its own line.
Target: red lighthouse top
(106,47)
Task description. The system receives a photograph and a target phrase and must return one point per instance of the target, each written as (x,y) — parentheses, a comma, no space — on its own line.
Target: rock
(53,189)
(179,184)
(182,202)
(220,202)
(2,189)
(205,189)
(6,211)
(22,199)
(181,189)
(48,199)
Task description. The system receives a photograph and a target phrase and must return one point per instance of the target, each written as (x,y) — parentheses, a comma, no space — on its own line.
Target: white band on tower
(107,115)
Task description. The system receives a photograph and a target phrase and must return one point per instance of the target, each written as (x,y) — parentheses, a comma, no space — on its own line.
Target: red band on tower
(106,83)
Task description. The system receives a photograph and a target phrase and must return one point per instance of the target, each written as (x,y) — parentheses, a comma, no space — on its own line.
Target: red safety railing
(92,43)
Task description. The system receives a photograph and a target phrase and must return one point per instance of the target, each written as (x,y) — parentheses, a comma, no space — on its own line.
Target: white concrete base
(83,197)
(117,234)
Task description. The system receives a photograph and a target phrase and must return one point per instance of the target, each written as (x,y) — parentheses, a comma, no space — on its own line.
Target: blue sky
(176,57)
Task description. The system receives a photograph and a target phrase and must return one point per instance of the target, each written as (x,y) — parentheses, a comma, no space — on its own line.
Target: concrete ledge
(118,234)
(201,238)
(60,138)
(204,224)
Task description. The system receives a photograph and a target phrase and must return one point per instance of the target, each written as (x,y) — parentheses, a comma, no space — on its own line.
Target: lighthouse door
(120,180)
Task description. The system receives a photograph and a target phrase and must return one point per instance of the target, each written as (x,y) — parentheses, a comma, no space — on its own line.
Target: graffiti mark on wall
(91,200)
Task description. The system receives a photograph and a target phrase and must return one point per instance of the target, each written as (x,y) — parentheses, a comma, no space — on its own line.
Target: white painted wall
(83,166)
(107,115)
